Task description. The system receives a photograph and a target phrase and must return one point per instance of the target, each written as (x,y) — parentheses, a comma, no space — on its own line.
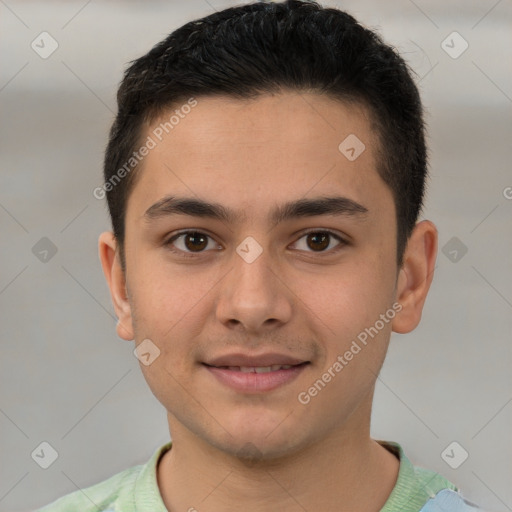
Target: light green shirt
(136,489)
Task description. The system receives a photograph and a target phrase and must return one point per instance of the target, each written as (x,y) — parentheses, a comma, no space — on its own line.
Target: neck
(344,472)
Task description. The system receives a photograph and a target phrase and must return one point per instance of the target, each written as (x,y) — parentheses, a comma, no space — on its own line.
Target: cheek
(164,294)
(170,308)
(348,306)
(352,297)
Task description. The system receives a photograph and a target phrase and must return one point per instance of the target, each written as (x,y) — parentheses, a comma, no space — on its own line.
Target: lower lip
(255,382)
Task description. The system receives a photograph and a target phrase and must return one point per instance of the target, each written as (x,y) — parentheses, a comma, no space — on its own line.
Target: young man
(264,176)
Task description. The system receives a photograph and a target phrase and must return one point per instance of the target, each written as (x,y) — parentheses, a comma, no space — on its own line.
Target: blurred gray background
(65,377)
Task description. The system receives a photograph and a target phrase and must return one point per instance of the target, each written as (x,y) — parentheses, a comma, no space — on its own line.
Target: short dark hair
(259,48)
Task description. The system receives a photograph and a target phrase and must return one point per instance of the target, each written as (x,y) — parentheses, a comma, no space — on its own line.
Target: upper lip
(268,359)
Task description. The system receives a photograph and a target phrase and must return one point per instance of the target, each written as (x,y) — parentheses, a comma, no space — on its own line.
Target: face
(286,267)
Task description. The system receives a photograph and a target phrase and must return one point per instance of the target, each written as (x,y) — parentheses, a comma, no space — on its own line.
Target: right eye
(192,243)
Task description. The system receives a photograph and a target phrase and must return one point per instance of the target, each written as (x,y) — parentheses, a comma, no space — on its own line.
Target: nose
(254,296)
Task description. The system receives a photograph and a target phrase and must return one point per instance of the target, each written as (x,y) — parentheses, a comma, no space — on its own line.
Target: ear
(109,257)
(415,276)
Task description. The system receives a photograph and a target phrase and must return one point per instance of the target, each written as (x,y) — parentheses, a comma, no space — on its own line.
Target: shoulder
(125,491)
(103,496)
(432,481)
(415,485)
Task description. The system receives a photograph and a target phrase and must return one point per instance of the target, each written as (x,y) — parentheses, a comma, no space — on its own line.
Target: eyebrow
(337,205)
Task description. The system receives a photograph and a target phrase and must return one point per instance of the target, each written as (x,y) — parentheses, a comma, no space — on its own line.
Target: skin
(295,298)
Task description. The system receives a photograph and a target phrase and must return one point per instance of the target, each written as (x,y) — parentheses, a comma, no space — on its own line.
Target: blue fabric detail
(447,500)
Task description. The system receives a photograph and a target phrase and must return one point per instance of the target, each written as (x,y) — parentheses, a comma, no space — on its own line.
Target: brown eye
(318,241)
(189,243)
(195,241)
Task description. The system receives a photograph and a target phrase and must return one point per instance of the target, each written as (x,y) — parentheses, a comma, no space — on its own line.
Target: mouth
(255,378)
(258,369)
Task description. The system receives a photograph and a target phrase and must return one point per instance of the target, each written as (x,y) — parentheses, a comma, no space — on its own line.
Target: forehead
(253,154)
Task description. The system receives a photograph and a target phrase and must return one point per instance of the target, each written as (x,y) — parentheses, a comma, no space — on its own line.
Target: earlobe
(415,276)
(109,257)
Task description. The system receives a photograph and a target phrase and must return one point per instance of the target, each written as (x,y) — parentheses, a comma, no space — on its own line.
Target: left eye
(320,240)
(194,242)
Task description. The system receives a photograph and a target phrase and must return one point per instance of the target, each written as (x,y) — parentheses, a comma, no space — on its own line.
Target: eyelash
(185,254)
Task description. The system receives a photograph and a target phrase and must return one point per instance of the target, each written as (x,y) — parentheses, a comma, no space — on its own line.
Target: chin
(253,451)
(253,441)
